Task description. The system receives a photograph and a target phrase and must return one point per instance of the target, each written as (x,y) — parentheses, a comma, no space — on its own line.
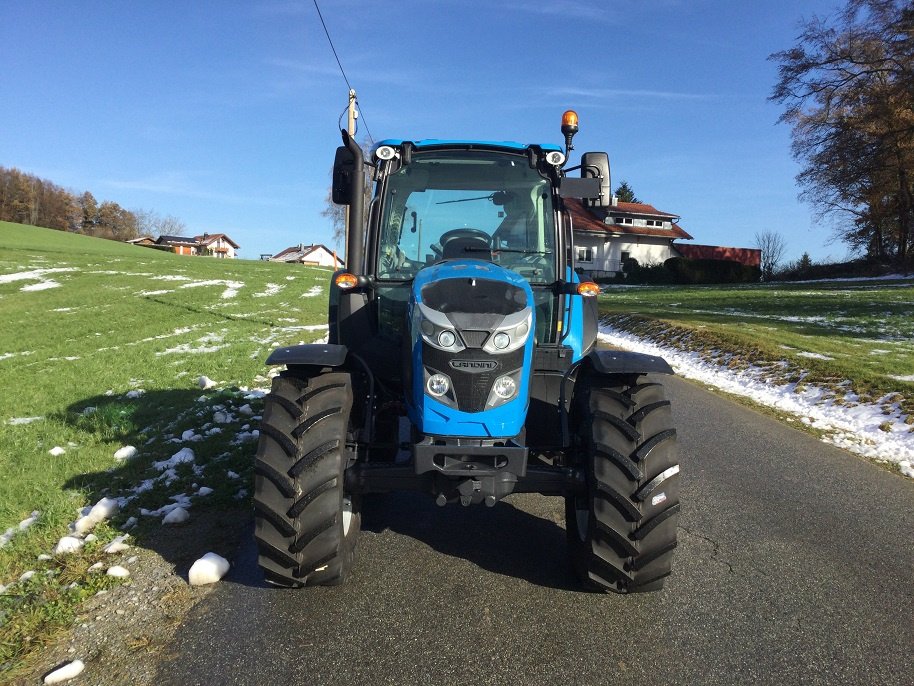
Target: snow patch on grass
(312,292)
(847,423)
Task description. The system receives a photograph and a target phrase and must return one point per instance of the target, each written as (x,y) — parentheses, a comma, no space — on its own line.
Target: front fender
(321,354)
(624,362)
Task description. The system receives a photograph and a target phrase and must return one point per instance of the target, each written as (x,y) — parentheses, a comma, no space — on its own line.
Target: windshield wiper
(523,251)
(482,197)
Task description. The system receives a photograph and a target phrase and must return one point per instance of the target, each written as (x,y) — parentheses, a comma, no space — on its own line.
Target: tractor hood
(471,331)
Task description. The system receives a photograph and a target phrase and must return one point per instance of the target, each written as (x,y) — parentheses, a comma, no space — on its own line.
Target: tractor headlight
(504,389)
(510,335)
(438,385)
(446,339)
(436,330)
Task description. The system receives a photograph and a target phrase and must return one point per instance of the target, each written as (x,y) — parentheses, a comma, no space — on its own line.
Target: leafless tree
(773,246)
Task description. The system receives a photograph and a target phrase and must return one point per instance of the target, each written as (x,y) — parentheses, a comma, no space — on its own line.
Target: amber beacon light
(569,128)
(346,281)
(588,289)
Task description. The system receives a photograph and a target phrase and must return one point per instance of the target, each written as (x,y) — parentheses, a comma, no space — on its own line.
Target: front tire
(622,529)
(305,524)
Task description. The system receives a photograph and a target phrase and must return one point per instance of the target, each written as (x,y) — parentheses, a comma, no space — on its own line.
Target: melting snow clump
(56,451)
(177,516)
(206,382)
(65,673)
(67,544)
(118,572)
(128,452)
(208,570)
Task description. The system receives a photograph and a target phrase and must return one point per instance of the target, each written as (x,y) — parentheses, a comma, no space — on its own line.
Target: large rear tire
(305,524)
(622,530)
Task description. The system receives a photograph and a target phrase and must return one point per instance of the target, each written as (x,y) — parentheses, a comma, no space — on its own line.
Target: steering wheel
(465,233)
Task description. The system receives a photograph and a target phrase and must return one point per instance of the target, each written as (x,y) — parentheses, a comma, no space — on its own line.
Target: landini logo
(474,366)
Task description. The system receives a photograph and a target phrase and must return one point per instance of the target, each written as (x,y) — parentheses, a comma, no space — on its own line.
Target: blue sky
(226,114)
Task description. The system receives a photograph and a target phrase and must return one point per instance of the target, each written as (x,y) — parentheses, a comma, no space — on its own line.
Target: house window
(585,255)
(655,222)
(625,255)
(626,220)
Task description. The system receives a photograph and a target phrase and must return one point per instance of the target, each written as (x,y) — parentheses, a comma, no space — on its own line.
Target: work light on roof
(386,152)
(555,158)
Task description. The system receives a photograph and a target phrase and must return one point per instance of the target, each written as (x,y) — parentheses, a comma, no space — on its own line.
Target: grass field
(103,344)
(847,336)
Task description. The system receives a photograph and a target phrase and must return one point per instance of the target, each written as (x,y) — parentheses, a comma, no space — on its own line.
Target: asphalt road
(794,566)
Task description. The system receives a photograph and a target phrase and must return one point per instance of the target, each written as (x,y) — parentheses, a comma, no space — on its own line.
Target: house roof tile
(584,220)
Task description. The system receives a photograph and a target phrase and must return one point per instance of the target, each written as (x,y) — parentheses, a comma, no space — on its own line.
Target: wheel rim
(347,515)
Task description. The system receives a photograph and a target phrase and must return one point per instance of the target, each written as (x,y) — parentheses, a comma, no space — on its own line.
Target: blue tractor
(462,361)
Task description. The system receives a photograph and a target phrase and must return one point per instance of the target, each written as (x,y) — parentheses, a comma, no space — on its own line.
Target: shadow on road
(503,539)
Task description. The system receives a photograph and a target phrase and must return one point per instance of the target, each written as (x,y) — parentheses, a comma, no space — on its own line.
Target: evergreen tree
(625,193)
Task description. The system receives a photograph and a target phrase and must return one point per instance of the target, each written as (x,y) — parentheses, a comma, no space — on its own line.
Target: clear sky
(225,114)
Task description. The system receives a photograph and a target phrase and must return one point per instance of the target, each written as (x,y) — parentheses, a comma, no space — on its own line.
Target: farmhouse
(604,238)
(315,255)
(211,244)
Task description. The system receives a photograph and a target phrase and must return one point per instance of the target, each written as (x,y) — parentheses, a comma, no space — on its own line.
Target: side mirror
(595,165)
(343,173)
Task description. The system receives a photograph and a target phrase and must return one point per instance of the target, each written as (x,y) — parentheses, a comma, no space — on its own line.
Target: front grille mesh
(471,389)
(474,339)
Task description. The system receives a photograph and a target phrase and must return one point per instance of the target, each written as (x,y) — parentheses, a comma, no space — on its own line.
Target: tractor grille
(474,339)
(471,386)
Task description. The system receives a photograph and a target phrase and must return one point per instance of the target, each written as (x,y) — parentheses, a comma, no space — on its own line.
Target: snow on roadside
(853,426)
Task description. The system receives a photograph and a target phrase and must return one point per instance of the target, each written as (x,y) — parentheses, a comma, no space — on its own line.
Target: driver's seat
(470,247)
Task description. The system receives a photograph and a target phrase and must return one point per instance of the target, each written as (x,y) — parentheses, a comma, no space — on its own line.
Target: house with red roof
(604,238)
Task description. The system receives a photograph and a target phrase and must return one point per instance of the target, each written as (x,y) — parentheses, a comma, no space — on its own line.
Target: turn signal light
(588,289)
(346,281)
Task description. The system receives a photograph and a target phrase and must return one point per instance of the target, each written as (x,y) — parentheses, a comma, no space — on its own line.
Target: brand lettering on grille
(474,365)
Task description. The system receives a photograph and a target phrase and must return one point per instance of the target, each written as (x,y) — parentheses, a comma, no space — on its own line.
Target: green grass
(859,334)
(124,318)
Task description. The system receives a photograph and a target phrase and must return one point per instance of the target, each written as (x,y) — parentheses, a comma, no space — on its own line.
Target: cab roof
(428,143)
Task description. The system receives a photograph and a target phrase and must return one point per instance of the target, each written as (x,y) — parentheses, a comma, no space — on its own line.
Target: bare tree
(848,92)
(773,246)
(151,223)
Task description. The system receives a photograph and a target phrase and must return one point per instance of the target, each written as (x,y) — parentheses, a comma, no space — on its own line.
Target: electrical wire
(343,72)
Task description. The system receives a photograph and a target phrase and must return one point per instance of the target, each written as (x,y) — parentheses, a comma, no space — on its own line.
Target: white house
(605,237)
(313,255)
(216,245)
(211,244)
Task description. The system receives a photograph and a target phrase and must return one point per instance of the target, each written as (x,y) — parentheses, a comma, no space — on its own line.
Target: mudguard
(623,362)
(323,354)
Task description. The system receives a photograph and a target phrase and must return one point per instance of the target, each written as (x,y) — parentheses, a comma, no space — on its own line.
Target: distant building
(143,240)
(605,237)
(313,255)
(751,257)
(209,244)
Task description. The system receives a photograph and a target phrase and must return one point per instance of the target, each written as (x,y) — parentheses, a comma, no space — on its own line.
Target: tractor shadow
(217,521)
(504,539)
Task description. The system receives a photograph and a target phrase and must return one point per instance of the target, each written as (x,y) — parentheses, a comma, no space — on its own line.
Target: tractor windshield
(467,204)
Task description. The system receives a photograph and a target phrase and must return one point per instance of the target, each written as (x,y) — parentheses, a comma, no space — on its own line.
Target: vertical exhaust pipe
(355,244)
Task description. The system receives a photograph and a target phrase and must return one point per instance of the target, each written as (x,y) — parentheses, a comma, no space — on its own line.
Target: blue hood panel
(434,417)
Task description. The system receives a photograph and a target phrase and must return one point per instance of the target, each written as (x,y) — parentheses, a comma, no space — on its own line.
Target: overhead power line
(342,71)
